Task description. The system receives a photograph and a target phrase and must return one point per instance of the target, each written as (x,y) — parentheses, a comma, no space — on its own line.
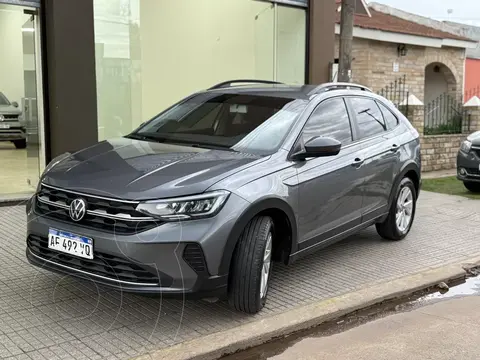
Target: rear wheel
(20,144)
(251,266)
(402,212)
(472,186)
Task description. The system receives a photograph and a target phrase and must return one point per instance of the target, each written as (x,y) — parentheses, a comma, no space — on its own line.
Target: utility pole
(346,38)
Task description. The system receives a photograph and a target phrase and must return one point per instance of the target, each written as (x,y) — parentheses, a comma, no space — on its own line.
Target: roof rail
(231,82)
(337,86)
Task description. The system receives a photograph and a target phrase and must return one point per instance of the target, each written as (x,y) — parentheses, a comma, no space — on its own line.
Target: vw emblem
(78,209)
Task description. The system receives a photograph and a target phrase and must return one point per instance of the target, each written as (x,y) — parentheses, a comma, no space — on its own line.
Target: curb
(213,346)
(15,200)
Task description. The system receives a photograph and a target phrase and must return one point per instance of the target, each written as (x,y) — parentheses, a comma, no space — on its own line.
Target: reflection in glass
(19,135)
(151,54)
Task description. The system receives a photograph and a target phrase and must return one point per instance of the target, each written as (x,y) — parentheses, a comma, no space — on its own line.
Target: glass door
(29,101)
(20,140)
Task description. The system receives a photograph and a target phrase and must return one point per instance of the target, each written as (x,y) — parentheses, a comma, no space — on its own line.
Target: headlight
(465,147)
(183,208)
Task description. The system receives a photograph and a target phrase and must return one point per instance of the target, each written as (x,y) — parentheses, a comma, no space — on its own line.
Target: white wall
(189,45)
(11,57)
(291,45)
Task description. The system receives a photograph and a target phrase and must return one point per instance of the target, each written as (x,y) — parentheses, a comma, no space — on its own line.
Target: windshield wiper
(160,139)
(213,146)
(150,137)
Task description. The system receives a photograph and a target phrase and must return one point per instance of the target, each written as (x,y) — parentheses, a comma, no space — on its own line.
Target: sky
(462,11)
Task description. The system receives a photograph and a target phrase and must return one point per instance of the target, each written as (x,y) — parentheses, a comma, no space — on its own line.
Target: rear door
(380,154)
(330,195)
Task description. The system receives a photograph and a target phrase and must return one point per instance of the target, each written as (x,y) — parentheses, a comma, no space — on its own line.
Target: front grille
(105,265)
(10,117)
(193,256)
(113,216)
(473,171)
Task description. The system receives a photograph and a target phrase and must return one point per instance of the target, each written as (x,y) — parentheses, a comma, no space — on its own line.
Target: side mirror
(15,104)
(319,147)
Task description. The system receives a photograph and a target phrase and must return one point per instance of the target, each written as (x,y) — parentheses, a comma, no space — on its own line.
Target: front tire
(402,212)
(251,266)
(472,186)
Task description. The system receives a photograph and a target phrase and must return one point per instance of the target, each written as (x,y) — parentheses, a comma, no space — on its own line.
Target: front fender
(252,211)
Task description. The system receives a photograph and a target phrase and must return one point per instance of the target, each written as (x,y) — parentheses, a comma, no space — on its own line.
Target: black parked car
(468,162)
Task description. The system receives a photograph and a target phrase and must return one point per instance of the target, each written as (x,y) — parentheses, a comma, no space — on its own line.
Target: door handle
(394,148)
(357,162)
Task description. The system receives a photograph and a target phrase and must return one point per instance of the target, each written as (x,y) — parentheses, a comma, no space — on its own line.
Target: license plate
(4,126)
(69,243)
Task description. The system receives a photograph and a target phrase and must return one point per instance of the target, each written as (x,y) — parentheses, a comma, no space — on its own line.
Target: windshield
(3,100)
(245,123)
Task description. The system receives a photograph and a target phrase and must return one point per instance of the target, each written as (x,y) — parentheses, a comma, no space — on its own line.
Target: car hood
(475,138)
(139,170)
(9,110)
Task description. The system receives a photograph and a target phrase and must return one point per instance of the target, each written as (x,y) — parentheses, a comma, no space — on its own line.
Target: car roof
(283,91)
(304,92)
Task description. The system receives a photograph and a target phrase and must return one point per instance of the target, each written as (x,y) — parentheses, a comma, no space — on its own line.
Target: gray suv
(11,128)
(203,198)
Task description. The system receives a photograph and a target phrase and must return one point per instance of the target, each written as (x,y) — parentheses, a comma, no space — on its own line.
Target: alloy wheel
(267,264)
(404,212)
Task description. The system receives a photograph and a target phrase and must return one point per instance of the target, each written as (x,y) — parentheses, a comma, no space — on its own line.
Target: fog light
(462,172)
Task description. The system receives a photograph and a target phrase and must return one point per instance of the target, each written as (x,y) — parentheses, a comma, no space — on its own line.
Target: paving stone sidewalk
(47,316)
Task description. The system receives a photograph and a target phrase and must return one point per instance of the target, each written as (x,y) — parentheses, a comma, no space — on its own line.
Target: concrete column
(70,81)
(321,40)
(472,108)
(415,112)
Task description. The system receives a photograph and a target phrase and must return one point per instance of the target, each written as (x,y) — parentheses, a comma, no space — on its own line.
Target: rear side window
(369,118)
(331,119)
(390,119)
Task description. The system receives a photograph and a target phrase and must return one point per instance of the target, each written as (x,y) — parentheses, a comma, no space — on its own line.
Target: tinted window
(245,123)
(390,119)
(330,118)
(369,118)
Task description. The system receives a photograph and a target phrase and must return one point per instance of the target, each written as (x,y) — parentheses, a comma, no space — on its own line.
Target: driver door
(330,194)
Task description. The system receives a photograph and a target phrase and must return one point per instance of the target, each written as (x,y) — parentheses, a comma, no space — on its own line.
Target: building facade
(86,70)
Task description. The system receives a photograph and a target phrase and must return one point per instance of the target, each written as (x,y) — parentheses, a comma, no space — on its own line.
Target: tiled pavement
(46,316)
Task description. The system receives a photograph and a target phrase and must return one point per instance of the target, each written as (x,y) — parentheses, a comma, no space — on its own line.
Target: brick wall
(373,64)
(439,152)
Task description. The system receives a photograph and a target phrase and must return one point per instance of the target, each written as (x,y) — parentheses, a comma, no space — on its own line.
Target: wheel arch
(412,171)
(282,215)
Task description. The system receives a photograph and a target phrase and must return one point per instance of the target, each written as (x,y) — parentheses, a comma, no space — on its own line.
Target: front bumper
(166,260)
(468,166)
(13,133)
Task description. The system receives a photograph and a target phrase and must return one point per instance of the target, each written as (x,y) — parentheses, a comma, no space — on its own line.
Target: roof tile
(387,22)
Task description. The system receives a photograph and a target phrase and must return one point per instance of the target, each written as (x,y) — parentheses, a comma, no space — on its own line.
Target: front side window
(369,118)
(240,122)
(331,119)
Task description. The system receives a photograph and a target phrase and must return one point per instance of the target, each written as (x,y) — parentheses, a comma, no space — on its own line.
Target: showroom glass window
(151,54)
